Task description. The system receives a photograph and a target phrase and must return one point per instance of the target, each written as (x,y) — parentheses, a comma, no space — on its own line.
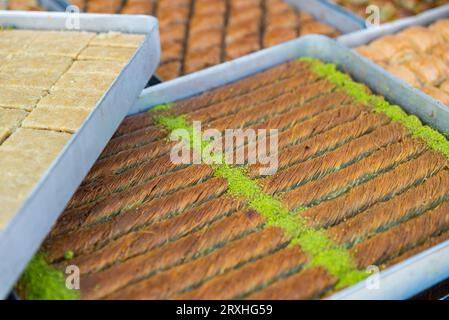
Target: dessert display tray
(365,36)
(198,34)
(32,222)
(361,21)
(54,5)
(323,11)
(426,268)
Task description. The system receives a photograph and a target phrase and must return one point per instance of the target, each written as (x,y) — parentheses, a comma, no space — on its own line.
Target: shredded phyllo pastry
(196,34)
(49,82)
(359,183)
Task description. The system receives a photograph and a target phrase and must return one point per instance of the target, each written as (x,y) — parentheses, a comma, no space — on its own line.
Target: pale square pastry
(65,36)
(22,164)
(10,204)
(57,119)
(11,47)
(4,133)
(29,78)
(78,81)
(19,35)
(71,99)
(97,66)
(36,141)
(4,58)
(106,53)
(117,39)
(19,173)
(50,47)
(38,62)
(20,98)
(11,118)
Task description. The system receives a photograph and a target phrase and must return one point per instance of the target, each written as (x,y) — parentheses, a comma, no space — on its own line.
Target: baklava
(358,183)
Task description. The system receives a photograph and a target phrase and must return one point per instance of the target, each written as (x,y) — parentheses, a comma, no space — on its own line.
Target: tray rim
(361,20)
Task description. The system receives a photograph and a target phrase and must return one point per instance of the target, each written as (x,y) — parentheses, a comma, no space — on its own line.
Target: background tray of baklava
(77,121)
(418,54)
(34,5)
(419,271)
(196,34)
(389,10)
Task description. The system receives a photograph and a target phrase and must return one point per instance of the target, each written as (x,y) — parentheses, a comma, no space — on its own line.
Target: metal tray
(365,36)
(361,21)
(337,9)
(54,5)
(403,280)
(325,13)
(32,222)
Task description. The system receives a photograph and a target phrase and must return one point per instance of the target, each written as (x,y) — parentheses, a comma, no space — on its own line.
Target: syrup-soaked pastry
(394,49)
(316,27)
(170,16)
(390,9)
(430,70)
(172,51)
(404,73)
(437,94)
(242,47)
(143,227)
(195,25)
(138,7)
(235,32)
(81,4)
(169,70)
(104,6)
(201,59)
(174,32)
(445,86)
(441,51)
(441,27)
(203,23)
(421,38)
(371,54)
(207,7)
(278,36)
(203,40)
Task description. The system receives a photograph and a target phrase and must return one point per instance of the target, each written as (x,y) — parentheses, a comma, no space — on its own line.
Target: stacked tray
(196,34)
(33,5)
(417,50)
(28,5)
(390,10)
(354,189)
(62,95)
(417,55)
